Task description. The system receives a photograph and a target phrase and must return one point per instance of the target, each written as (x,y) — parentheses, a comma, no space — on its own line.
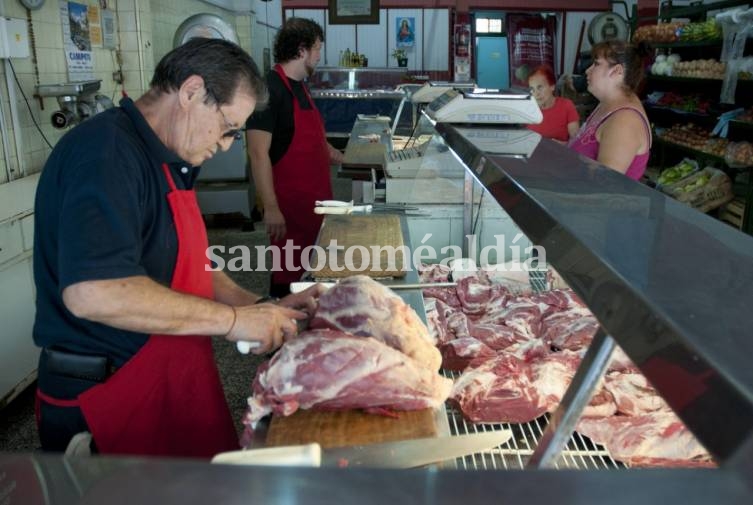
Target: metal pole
(577,396)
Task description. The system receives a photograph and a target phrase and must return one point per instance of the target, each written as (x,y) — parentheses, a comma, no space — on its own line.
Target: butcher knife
(297,287)
(400,454)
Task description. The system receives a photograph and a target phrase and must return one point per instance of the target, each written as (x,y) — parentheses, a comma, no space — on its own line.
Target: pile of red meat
(519,353)
(366,349)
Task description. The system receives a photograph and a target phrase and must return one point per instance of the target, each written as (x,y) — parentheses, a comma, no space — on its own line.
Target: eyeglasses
(233,133)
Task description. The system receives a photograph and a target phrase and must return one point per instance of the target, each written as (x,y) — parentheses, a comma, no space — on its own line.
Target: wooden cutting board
(381,230)
(368,155)
(350,427)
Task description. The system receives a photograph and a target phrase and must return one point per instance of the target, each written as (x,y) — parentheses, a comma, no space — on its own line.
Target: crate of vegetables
(675,175)
(704,190)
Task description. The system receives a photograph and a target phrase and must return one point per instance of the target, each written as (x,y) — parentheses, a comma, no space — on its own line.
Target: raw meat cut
(457,354)
(477,294)
(496,336)
(634,395)
(521,314)
(660,436)
(448,295)
(497,391)
(332,370)
(433,273)
(557,300)
(364,307)
(552,376)
(571,329)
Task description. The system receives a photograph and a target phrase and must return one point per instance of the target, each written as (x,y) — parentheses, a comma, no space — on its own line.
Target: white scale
(434,89)
(513,142)
(487,106)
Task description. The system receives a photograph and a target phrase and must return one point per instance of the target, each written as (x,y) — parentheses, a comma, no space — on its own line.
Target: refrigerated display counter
(669,285)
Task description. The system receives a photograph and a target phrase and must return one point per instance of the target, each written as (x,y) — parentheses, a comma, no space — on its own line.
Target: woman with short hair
(560,119)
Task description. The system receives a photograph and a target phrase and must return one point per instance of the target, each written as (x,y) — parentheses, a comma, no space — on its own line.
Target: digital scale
(513,142)
(434,89)
(487,106)
(428,160)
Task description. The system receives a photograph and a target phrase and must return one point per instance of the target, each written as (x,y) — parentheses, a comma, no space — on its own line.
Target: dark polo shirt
(101,212)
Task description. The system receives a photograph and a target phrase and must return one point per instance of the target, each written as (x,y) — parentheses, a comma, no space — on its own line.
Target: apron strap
(169,177)
(286,82)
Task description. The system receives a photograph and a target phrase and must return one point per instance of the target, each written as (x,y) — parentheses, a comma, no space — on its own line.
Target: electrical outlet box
(14,38)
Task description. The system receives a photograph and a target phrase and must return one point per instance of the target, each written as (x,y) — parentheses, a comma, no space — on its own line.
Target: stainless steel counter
(31,479)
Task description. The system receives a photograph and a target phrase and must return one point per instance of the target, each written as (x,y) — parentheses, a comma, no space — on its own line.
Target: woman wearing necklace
(560,120)
(617,134)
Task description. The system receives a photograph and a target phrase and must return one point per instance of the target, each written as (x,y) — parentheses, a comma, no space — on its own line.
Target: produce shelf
(690,150)
(673,78)
(687,43)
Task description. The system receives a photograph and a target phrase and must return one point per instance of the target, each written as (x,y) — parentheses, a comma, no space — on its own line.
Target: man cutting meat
(288,149)
(124,285)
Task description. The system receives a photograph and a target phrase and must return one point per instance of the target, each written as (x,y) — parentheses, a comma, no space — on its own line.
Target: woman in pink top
(617,133)
(561,120)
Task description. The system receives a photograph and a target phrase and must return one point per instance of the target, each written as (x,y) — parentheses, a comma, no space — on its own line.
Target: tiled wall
(48,36)
(146,29)
(167,15)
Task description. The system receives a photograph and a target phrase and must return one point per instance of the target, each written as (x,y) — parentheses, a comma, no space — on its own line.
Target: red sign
(530,41)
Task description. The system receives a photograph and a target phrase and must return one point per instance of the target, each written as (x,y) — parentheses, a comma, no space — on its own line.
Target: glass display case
(342,78)
(343,93)
(663,281)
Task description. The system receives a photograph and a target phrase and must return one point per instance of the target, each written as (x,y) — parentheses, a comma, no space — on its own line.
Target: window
(488,25)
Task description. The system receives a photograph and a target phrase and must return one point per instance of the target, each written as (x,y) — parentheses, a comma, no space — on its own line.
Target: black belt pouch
(65,375)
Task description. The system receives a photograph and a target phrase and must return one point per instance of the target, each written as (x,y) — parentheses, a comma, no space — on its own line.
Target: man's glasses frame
(234,133)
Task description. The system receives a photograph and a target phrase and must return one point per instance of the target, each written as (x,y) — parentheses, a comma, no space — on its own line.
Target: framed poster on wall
(351,12)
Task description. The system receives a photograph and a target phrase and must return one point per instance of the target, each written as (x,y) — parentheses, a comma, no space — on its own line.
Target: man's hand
(268,324)
(336,156)
(274,221)
(306,300)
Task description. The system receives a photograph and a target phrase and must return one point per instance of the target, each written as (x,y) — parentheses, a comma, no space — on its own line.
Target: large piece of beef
(553,374)
(634,395)
(364,307)
(497,391)
(658,439)
(332,370)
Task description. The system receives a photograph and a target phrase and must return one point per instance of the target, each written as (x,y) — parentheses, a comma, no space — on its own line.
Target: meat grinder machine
(77,100)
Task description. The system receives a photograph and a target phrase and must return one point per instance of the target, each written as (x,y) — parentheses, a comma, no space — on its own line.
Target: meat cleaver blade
(400,454)
(413,453)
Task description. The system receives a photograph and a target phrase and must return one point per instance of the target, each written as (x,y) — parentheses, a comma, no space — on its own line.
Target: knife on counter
(297,287)
(400,454)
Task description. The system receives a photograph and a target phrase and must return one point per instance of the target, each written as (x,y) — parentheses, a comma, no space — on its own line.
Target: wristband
(235,317)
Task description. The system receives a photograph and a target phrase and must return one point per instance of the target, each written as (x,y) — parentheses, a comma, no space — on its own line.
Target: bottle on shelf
(346,57)
(342,58)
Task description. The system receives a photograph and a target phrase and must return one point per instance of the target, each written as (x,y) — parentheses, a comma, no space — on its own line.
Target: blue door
(492,62)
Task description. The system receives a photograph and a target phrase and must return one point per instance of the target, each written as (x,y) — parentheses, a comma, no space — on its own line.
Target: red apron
(301,177)
(167,400)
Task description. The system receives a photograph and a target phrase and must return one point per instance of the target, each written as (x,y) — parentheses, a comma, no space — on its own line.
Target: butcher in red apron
(127,298)
(290,155)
